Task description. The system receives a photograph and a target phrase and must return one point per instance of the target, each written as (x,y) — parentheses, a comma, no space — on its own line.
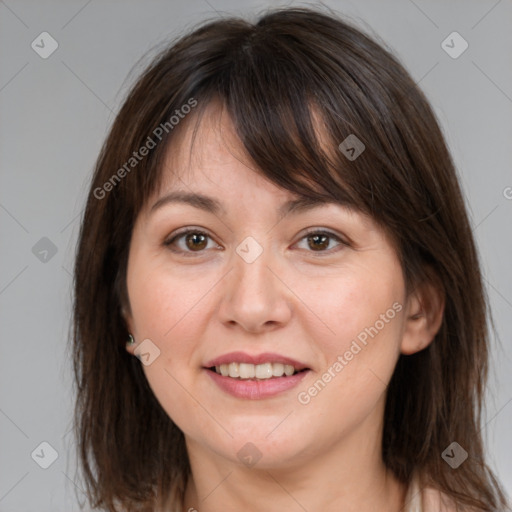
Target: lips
(267,357)
(255,376)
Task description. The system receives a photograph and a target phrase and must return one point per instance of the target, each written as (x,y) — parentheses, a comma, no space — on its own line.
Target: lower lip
(256,389)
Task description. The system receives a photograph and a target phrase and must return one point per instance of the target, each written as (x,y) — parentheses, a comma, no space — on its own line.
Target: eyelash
(182,234)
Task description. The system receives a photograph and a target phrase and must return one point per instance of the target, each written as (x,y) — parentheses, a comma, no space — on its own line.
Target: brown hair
(274,78)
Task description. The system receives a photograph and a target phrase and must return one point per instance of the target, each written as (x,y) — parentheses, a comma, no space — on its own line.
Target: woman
(275,226)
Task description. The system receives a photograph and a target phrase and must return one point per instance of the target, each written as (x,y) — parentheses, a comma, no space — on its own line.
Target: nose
(255,297)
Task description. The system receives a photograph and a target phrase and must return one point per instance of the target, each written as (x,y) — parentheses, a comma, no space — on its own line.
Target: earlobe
(130,341)
(425,311)
(130,344)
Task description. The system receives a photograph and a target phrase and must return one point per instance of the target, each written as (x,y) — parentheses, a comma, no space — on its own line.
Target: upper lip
(266,357)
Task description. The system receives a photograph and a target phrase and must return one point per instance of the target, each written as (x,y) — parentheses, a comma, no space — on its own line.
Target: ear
(424,315)
(130,347)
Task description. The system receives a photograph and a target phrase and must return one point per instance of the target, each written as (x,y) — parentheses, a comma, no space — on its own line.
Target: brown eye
(195,242)
(319,242)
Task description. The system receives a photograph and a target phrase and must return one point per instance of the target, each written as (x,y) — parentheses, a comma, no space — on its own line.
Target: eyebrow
(212,205)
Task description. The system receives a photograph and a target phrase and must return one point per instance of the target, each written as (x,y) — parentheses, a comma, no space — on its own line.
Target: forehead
(207,155)
(207,139)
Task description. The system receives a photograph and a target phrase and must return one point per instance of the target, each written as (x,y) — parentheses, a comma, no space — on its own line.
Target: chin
(260,445)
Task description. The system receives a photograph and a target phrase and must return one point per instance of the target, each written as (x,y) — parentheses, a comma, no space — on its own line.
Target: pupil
(317,238)
(193,238)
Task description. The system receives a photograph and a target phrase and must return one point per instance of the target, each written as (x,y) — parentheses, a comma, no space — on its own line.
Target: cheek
(356,304)
(169,309)
(164,301)
(363,311)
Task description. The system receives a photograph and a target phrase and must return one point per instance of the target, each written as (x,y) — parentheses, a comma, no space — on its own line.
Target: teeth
(277,369)
(258,371)
(234,370)
(247,371)
(288,369)
(264,371)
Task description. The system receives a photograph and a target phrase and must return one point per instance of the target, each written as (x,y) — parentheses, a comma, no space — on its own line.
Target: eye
(319,241)
(194,240)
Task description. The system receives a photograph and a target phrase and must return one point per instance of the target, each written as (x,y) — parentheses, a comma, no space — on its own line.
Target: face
(256,294)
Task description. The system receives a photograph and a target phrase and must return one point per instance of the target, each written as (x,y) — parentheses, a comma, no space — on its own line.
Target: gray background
(55,113)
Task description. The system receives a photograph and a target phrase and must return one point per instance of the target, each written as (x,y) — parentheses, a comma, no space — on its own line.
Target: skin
(293,300)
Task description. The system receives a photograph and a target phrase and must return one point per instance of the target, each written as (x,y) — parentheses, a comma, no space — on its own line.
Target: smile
(255,377)
(259,371)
